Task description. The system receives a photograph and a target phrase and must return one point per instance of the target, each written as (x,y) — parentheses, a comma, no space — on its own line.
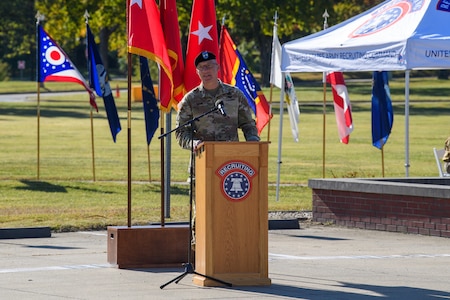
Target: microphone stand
(188,268)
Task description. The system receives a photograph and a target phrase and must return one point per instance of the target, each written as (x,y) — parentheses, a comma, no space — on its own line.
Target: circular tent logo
(236,180)
(386,16)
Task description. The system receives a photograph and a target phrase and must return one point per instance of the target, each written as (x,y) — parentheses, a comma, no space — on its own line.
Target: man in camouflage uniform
(446,157)
(213,126)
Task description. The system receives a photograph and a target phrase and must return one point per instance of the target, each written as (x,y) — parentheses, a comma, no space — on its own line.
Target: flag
(150,104)
(235,72)
(145,35)
(99,82)
(342,106)
(55,65)
(203,36)
(276,78)
(382,113)
(169,22)
(293,109)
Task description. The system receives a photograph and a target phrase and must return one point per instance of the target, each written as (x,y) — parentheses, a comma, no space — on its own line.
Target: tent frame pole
(407,73)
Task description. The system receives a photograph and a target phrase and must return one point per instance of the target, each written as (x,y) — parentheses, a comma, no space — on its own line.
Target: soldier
(222,125)
(446,157)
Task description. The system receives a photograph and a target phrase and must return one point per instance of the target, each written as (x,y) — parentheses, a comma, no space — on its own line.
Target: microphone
(219,105)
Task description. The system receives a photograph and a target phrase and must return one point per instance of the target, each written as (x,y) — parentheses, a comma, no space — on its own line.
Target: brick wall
(387,212)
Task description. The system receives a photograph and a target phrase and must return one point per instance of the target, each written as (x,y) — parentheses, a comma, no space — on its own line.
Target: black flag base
(188,269)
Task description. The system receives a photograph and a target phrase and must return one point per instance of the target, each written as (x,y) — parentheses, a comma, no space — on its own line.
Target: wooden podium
(231,213)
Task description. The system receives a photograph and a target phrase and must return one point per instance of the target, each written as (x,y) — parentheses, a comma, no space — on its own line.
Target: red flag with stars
(169,22)
(145,34)
(203,36)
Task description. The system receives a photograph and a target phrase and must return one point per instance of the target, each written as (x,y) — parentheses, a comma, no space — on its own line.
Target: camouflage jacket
(446,156)
(215,126)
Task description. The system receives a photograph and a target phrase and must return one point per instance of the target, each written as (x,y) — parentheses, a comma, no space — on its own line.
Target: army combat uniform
(215,126)
(446,157)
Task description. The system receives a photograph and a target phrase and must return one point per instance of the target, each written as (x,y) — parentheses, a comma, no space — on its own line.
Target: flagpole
(167,165)
(39,18)
(324,81)
(163,186)
(275,24)
(130,69)
(92,145)
(129,74)
(38,128)
(149,164)
(280,133)
(86,17)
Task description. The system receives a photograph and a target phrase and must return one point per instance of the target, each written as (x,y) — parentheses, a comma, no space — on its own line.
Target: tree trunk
(265,46)
(104,35)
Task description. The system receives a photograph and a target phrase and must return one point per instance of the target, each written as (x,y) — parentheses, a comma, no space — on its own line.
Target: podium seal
(236,179)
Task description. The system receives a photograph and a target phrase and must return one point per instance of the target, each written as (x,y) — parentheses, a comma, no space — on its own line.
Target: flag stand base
(152,246)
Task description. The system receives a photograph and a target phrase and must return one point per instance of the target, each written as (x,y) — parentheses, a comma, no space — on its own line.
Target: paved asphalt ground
(315,262)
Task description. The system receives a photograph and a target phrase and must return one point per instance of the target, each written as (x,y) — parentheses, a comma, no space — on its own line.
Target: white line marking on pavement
(57,268)
(272,256)
(293,257)
(93,233)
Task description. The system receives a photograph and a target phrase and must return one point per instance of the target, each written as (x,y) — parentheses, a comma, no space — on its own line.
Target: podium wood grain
(231,236)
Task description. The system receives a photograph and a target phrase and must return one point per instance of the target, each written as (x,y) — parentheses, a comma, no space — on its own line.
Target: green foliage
(346,9)
(17,34)
(250,24)
(4,71)
(17,24)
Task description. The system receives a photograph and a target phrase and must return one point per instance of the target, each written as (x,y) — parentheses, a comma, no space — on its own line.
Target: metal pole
(167,167)
(407,123)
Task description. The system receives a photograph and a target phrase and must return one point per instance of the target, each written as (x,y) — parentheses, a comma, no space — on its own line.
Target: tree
(249,22)
(15,34)
(108,18)
(65,21)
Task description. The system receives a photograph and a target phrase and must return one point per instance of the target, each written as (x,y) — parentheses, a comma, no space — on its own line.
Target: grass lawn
(67,198)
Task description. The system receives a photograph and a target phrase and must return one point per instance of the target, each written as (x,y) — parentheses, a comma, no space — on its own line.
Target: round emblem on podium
(236,180)
(236,185)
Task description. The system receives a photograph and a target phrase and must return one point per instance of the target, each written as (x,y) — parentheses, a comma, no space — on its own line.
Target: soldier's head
(207,69)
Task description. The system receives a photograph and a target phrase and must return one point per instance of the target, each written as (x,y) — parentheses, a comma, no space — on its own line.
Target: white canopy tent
(395,35)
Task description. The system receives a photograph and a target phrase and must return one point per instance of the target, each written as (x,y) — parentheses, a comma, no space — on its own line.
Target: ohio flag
(55,65)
